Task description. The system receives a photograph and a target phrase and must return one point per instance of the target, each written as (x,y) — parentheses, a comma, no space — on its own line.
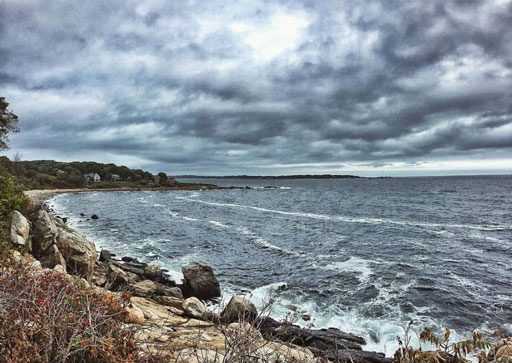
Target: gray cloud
(218,88)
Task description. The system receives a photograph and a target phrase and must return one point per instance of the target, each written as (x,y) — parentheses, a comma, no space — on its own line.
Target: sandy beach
(39,196)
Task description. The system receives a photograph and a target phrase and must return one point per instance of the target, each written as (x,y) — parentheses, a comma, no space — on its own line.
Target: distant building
(115,177)
(94,177)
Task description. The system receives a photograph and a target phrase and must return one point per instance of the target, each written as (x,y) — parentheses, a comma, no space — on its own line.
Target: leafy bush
(45,317)
(11,198)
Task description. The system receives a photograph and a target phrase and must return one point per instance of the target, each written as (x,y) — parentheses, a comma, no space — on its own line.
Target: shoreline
(39,196)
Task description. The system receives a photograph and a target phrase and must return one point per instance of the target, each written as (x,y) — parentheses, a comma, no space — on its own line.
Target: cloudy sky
(262,87)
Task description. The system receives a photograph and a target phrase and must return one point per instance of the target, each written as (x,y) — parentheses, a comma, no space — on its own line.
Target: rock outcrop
(79,253)
(239,308)
(200,281)
(332,344)
(194,308)
(44,233)
(53,241)
(20,229)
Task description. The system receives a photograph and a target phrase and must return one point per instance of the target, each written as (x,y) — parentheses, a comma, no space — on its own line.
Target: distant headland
(272,177)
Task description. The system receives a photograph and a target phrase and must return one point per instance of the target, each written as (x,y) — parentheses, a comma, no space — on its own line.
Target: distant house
(94,177)
(115,177)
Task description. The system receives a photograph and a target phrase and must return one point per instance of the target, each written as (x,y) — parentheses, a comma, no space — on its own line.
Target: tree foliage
(8,123)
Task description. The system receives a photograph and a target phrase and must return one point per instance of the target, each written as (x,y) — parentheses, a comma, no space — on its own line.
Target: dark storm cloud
(249,86)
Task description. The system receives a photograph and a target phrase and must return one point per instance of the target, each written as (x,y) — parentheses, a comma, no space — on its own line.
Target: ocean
(363,255)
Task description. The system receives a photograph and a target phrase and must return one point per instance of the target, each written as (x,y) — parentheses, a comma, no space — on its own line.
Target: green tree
(163,177)
(8,123)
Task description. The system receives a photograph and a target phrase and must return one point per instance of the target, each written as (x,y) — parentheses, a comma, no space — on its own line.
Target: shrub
(45,317)
(11,196)
(446,350)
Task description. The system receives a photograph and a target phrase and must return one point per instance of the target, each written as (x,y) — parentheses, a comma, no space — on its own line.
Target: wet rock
(194,308)
(351,356)
(82,214)
(328,343)
(95,216)
(20,229)
(291,307)
(127,259)
(133,267)
(200,281)
(105,256)
(306,317)
(239,308)
(152,271)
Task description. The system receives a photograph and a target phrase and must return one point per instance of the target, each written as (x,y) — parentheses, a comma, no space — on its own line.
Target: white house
(94,177)
(116,177)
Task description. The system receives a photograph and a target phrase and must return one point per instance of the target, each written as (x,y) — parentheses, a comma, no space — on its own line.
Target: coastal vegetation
(50,174)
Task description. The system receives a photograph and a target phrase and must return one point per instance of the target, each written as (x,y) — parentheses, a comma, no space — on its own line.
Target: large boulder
(44,233)
(200,281)
(105,256)
(20,229)
(78,251)
(239,308)
(194,308)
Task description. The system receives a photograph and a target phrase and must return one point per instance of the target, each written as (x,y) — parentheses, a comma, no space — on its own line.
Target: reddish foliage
(44,317)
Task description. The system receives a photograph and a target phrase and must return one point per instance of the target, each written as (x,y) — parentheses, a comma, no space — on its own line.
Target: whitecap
(353,264)
(219,224)
(262,243)
(189,219)
(348,219)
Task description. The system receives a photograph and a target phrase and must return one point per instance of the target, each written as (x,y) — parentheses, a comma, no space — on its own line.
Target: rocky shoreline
(172,316)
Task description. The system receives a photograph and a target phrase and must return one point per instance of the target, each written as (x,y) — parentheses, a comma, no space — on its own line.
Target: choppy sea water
(364,255)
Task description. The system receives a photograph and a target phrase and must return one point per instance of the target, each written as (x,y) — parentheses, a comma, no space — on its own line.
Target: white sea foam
(189,219)
(180,216)
(353,264)
(379,333)
(347,219)
(218,224)
(261,242)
